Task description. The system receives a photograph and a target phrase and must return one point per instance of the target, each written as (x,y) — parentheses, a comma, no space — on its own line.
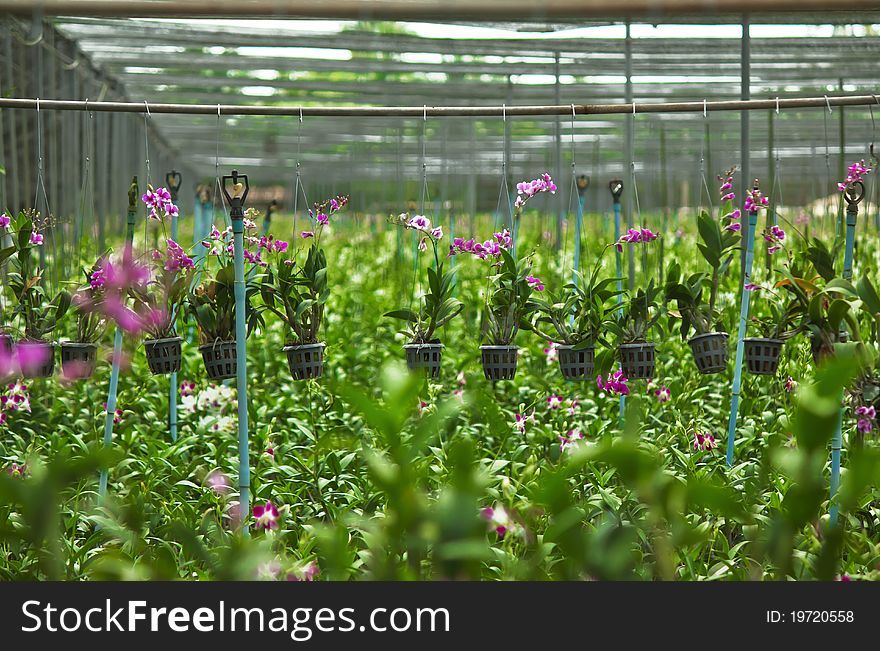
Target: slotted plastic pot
(710,352)
(78,360)
(576,365)
(163,355)
(637,360)
(220,359)
(424,357)
(306,362)
(499,362)
(762,355)
(26,350)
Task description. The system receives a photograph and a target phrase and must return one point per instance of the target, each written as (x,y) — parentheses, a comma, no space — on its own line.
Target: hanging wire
(86,197)
(638,210)
(41,183)
(147,162)
(504,190)
(423,197)
(572,191)
(827,161)
(218,183)
(874,164)
(704,183)
(41,187)
(776,199)
(298,187)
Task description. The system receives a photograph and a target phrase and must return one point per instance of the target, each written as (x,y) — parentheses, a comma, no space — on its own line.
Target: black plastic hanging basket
(163,355)
(499,362)
(78,360)
(762,355)
(424,357)
(306,362)
(710,352)
(29,350)
(637,360)
(220,359)
(576,364)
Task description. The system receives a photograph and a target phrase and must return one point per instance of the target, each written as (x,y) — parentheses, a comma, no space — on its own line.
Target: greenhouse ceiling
(301,63)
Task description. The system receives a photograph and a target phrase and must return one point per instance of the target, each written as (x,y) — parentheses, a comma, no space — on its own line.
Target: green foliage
(580,316)
(508,305)
(439,307)
(211,304)
(371,484)
(641,312)
(297,294)
(697,294)
(38,311)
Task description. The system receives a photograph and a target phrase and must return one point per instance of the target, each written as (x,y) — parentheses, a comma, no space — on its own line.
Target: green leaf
(404,315)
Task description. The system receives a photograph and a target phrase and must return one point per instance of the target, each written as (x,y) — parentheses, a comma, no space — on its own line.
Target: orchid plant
(511,284)
(158,301)
(778,317)
(641,312)
(581,314)
(633,322)
(38,312)
(826,304)
(91,322)
(438,307)
(297,291)
(211,301)
(696,295)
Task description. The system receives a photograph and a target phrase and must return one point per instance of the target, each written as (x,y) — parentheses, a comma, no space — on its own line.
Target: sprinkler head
(616,188)
(240,189)
(853,195)
(172,182)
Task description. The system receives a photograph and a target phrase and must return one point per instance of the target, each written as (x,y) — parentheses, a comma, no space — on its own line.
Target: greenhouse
(417,291)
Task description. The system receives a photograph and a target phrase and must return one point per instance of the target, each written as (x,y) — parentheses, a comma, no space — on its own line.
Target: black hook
(240,189)
(172,183)
(616,187)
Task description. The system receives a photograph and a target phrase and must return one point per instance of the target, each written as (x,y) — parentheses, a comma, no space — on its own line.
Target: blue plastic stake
(852,211)
(172,184)
(616,187)
(117,341)
(236,201)
(741,333)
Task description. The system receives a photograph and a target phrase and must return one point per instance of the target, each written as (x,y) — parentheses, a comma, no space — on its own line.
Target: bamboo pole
(411,10)
(439,111)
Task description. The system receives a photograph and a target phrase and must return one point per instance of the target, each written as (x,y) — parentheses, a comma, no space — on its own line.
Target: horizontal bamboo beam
(458,10)
(441,111)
